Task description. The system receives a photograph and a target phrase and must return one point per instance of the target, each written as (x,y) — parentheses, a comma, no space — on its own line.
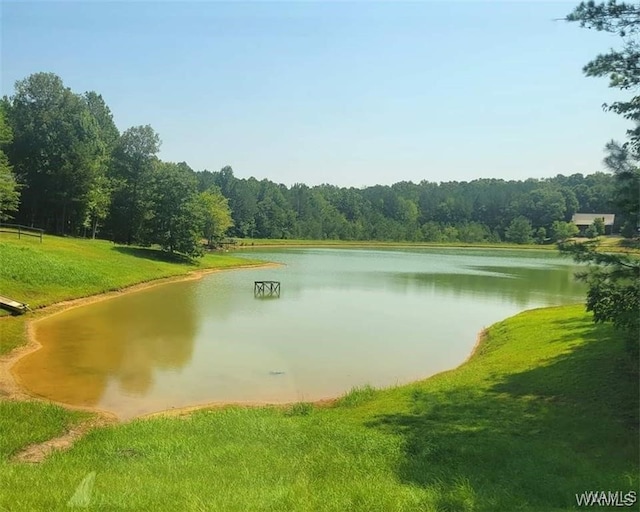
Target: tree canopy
(9,191)
(78,175)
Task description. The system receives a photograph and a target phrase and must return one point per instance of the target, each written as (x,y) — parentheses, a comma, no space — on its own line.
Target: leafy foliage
(623,69)
(9,189)
(519,231)
(216,215)
(614,280)
(57,151)
(563,230)
(614,288)
(598,225)
(591,231)
(80,176)
(621,66)
(132,175)
(175,222)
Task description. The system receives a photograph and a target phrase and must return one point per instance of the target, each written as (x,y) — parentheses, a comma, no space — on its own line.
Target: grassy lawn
(267,242)
(607,243)
(546,408)
(67,268)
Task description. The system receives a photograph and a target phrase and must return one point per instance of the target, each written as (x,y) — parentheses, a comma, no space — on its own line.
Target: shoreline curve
(11,387)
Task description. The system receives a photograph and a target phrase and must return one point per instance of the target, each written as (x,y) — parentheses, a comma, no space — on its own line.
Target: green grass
(267,242)
(59,269)
(607,243)
(546,408)
(25,423)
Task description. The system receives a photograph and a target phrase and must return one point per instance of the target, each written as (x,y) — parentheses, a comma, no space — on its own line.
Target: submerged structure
(266,288)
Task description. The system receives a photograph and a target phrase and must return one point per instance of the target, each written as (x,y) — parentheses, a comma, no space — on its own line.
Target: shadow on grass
(530,440)
(631,243)
(154,254)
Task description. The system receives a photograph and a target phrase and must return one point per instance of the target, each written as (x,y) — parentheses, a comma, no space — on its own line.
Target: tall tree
(614,280)
(622,67)
(98,203)
(56,151)
(519,231)
(175,221)
(9,190)
(215,214)
(131,172)
(99,195)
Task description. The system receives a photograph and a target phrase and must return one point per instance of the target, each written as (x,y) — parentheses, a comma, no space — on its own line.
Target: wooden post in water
(266,288)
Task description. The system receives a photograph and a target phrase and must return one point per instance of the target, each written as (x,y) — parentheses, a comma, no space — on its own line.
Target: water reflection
(124,340)
(520,285)
(344,318)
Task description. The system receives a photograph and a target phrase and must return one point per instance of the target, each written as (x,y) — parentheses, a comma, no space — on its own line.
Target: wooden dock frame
(13,305)
(266,288)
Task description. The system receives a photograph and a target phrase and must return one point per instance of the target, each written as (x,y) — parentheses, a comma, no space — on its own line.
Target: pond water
(344,318)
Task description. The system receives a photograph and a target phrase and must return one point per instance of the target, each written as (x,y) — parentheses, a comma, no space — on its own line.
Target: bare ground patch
(37,452)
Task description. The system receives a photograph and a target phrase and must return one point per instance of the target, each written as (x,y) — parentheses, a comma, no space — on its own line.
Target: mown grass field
(58,269)
(545,409)
(274,242)
(607,243)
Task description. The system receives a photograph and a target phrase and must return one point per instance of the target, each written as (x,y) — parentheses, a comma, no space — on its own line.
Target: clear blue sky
(348,93)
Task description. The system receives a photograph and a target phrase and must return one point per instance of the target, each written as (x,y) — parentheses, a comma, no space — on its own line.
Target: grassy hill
(59,269)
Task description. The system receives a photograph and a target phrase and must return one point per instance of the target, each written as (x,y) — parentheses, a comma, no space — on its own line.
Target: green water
(344,318)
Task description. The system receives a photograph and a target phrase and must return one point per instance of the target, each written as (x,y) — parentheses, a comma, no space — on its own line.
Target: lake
(344,318)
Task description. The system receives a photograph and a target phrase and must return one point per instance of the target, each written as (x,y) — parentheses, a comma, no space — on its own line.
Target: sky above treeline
(348,93)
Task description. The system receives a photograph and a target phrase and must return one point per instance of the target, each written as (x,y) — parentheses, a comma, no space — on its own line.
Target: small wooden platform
(266,288)
(13,305)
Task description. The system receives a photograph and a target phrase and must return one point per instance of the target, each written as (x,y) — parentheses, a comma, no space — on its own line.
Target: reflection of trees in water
(517,284)
(125,339)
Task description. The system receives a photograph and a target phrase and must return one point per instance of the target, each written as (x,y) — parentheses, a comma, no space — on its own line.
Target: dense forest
(66,168)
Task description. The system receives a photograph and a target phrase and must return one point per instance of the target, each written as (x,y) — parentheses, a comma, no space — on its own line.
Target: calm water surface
(344,318)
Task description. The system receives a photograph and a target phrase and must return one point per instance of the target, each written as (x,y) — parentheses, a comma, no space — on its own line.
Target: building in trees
(584,220)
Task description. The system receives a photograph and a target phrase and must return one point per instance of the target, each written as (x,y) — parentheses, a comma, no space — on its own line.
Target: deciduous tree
(563,230)
(56,151)
(132,173)
(519,231)
(9,190)
(176,221)
(215,213)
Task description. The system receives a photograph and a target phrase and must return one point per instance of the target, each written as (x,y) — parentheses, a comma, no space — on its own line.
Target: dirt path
(37,452)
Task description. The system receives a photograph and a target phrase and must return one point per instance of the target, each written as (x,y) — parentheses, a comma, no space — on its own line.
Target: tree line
(65,167)
(483,210)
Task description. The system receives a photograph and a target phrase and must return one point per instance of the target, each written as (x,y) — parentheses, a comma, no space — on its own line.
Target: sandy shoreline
(10,387)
